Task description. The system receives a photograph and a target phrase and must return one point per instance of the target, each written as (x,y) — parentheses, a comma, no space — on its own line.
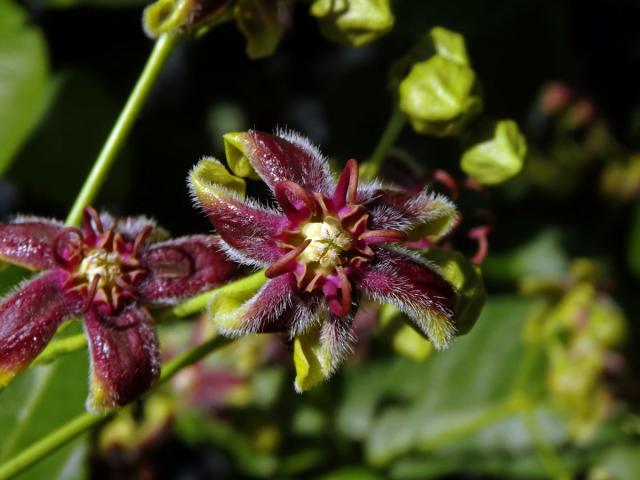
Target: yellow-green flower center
(328,241)
(100,263)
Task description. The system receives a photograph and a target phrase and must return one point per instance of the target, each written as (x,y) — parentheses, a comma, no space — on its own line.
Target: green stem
(158,58)
(86,421)
(61,347)
(545,450)
(396,123)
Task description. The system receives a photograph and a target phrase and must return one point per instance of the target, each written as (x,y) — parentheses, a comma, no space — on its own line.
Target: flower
(326,245)
(106,271)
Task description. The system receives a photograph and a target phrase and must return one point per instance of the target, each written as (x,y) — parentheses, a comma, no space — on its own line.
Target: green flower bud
(498,159)
(353,22)
(262,23)
(467,279)
(441,95)
(166,16)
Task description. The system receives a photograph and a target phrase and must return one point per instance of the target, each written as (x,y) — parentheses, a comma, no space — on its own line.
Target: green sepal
(499,158)
(353,22)
(227,305)
(210,179)
(441,95)
(184,16)
(466,278)
(236,149)
(262,24)
(312,359)
(450,45)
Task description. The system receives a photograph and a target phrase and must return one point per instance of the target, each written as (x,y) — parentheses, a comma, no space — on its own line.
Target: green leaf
(23,82)
(620,463)
(542,257)
(433,406)
(39,401)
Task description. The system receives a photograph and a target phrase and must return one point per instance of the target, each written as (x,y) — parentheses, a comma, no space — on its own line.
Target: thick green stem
(161,51)
(391,132)
(84,422)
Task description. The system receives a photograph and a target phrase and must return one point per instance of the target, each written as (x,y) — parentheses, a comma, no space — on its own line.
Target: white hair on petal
(22,218)
(322,176)
(434,324)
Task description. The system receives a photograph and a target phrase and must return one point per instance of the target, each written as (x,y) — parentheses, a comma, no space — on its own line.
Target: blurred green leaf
(453,399)
(67,143)
(24,75)
(352,473)
(10,275)
(620,463)
(39,401)
(633,248)
(542,256)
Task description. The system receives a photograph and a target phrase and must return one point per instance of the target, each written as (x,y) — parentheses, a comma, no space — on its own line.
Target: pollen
(328,241)
(100,263)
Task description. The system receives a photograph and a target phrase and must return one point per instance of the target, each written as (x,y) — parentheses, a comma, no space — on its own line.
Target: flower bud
(498,159)
(353,22)
(441,95)
(165,16)
(262,23)
(467,280)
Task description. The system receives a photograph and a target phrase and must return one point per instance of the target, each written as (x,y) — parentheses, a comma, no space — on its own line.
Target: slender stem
(396,123)
(61,347)
(545,450)
(82,423)
(161,51)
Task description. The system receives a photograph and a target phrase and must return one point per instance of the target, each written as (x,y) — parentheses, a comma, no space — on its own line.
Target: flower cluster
(107,272)
(324,246)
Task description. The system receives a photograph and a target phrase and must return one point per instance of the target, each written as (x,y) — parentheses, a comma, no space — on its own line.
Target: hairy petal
(285,156)
(246,228)
(266,311)
(416,289)
(124,357)
(427,214)
(321,350)
(182,268)
(28,320)
(29,243)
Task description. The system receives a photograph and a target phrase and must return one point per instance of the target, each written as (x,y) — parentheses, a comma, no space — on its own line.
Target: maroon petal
(182,268)
(124,357)
(248,229)
(401,210)
(29,243)
(28,320)
(267,311)
(416,289)
(288,157)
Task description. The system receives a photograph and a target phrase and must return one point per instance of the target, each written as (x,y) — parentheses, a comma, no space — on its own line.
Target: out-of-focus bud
(607,323)
(467,280)
(554,98)
(353,22)
(441,95)
(621,180)
(190,16)
(499,158)
(262,22)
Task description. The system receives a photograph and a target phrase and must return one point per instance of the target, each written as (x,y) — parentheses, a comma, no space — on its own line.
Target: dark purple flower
(327,244)
(105,271)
